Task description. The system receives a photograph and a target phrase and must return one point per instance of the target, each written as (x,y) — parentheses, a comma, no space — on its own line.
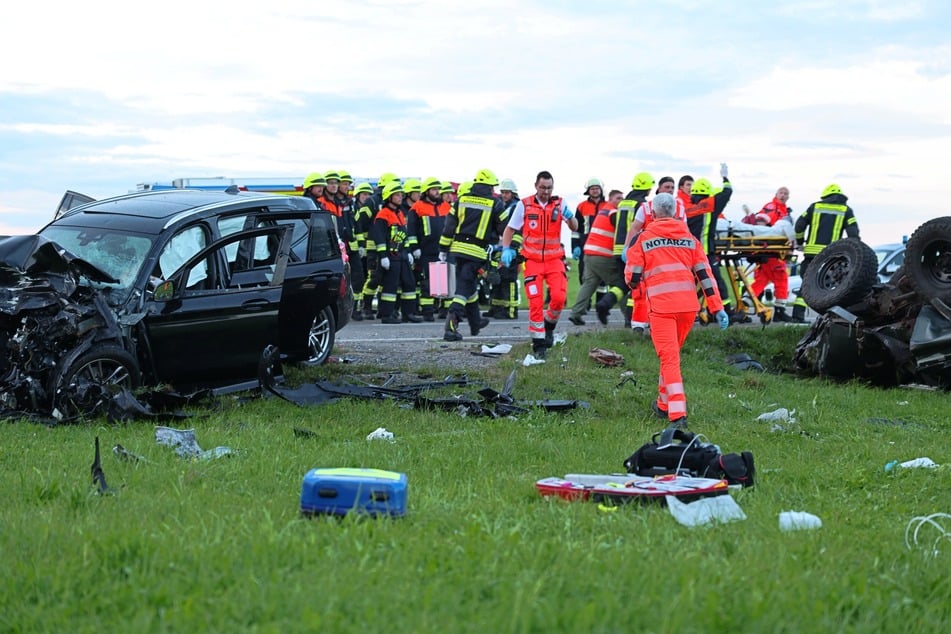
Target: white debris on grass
(798,521)
(531,360)
(502,348)
(719,509)
(937,521)
(380,433)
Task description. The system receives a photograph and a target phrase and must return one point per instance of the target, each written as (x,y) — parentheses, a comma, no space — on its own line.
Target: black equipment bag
(674,451)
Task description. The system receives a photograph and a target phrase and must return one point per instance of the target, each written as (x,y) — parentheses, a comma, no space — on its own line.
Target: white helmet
(508,185)
(593,182)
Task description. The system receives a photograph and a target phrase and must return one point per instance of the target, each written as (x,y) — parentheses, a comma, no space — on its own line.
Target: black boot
(539,349)
(780,314)
(429,314)
(799,314)
(603,307)
(550,333)
(357,314)
(452,328)
(368,308)
(476,321)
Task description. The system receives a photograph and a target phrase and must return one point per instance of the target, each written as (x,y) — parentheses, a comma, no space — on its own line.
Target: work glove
(723,319)
(567,214)
(508,256)
(410,259)
(724,172)
(362,251)
(417,253)
(624,256)
(385,263)
(576,253)
(442,256)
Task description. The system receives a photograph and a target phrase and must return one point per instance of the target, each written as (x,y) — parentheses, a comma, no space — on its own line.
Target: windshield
(118,253)
(883,253)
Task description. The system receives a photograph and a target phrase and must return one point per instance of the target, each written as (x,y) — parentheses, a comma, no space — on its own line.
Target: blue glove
(624,256)
(723,319)
(576,253)
(508,256)
(567,214)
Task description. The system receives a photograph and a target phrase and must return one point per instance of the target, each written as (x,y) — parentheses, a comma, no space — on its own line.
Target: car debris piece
(124,454)
(743,361)
(185,444)
(606,357)
(98,476)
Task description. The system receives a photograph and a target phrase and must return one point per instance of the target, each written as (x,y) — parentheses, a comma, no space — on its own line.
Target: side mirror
(164,291)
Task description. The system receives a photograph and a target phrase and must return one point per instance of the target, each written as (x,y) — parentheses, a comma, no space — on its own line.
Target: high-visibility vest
(541,231)
(472,227)
(601,237)
(825,227)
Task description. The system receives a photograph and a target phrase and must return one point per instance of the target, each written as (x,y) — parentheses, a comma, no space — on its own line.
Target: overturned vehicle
(179,288)
(892,333)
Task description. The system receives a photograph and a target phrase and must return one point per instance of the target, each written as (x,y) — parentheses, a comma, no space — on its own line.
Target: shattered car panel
(899,332)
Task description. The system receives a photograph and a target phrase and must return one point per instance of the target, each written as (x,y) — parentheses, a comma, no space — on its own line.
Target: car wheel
(322,335)
(841,275)
(84,385)
(928,259)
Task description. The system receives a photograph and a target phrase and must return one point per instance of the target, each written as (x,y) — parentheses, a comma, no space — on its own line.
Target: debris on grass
(381,433)
(937,521)
(798,521)
(185,444)
(705,511)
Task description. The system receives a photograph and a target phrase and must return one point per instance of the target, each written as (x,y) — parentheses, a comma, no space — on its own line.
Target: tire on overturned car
(841,275)
(928,259)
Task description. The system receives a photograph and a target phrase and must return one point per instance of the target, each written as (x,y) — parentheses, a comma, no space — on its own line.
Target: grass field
(219,546)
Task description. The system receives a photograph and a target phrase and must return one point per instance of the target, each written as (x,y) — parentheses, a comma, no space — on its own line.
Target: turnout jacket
(473,224)
(425,223)
(669,261)
(826,220)
(702,216)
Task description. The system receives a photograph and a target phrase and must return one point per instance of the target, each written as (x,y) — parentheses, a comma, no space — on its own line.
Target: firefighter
(425,223)
(586,212)
(363,212)
(396,262)
(702,213)
(600,267)
(669,261)
(628,209)
(374,272)
(504,296)
(540,218)
(827,220)
(771,268)
(313,188)
(468,232)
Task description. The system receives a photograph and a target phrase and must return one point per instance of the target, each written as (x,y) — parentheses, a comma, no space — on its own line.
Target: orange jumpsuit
(669,261)
(544,265)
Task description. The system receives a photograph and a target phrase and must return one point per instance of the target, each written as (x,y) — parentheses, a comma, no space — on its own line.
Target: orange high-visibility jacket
(669,261)
(601,237)
(541,234)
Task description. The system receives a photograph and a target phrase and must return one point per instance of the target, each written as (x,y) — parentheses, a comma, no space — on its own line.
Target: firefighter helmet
(486,177)
(314,178)
(393,187)
(593,182)
(642,181)
(508,185)
(332,175)
(430,183)
(345,176)
(446,188)
(363,188)
(701,187)
(831,189)
(412,185)
(464,188)
(386,177)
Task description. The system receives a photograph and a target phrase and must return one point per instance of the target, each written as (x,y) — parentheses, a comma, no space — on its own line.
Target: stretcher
(738,246)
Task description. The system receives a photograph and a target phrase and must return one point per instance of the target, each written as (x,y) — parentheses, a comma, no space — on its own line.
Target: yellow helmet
(386,177)
(464,188)
(332,175)
(412,185)
(345,176)
(642,181)
(430,183)
(392,187)
(446,188)
(701,187)
(314,178)
(486,177)
(363,187)
(831,189)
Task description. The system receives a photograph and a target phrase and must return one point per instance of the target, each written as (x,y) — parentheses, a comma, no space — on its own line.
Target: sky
(99,96)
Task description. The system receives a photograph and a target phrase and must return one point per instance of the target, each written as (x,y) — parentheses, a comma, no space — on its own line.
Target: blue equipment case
(344,490)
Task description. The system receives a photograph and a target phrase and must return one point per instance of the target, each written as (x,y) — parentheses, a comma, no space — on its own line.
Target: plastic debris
(720,509)
(935,521)
(185,444)
(560,338)
(917,463)
(531,360)
(124,454)
(781,415)
(798,521)
(500,349)
(380,433)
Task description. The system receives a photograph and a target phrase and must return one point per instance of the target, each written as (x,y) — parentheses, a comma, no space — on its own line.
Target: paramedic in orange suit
(670,262)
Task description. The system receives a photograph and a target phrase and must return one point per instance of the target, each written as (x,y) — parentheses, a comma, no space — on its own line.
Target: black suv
(173,287)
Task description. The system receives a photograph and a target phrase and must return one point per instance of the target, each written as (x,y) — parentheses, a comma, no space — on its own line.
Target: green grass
(219,546)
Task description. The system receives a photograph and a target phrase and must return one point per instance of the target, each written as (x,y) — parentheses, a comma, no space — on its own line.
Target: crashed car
(182,288)
(889,333)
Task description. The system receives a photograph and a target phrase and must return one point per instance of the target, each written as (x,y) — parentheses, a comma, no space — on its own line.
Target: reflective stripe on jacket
(601,237)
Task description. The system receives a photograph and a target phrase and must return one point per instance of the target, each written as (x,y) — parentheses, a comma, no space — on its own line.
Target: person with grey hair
(670,262)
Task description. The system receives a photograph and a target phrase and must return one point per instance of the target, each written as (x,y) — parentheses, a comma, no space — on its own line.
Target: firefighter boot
(357,314)
(539,349)
(368,307)
(550,333)
(779,314)
(799,314)
(604,306)
(476,321)
(452,328)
